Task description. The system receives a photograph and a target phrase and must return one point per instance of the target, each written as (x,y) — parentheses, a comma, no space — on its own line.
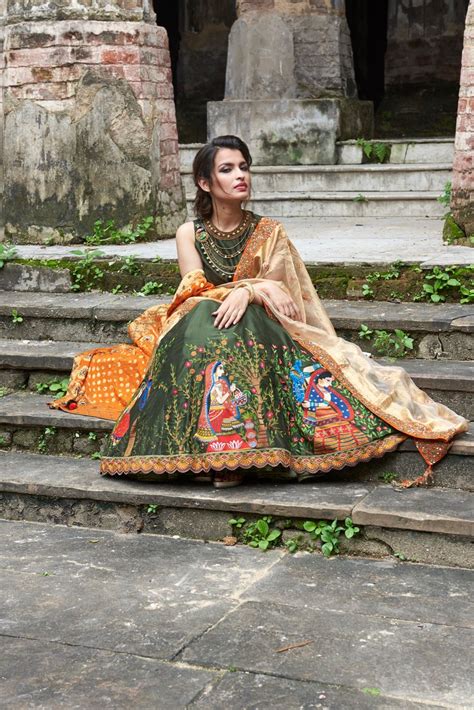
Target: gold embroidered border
(309,464)
(263,231)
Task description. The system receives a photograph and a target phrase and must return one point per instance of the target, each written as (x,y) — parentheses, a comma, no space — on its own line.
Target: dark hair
(203,164)
(321,375)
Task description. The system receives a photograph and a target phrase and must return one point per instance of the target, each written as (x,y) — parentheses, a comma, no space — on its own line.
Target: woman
(244,369)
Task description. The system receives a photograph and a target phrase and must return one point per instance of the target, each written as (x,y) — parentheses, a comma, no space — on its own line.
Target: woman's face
(230,176)
(219,371)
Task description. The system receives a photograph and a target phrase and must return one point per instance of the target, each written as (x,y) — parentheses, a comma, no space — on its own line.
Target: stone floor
(94,619)
(342,240)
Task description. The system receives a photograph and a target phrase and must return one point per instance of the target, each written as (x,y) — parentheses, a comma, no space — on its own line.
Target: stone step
(24,363)
(343,204)
(439,330)
(403,150)
(421,525)
(356,179)
(24,419)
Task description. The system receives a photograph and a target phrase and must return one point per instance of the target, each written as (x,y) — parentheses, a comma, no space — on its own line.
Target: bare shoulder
(185,233)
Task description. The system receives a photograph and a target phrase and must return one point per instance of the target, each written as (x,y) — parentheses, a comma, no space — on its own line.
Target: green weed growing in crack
(45,439)
(329,533)
(58,387)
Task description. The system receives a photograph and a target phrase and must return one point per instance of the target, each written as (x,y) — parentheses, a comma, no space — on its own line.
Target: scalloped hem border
(304,466)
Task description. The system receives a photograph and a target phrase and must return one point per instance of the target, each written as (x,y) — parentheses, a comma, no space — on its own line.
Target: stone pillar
(462,203)
(89,127)
(290,88)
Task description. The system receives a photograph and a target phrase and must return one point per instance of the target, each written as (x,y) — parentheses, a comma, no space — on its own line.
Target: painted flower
(200,349)
(262,365)
(187,363)
(174,391)
(193,353)
(199,378)
(192,371)
(269,414)
(185,405)
(253,390)
(238,344)
(250,343)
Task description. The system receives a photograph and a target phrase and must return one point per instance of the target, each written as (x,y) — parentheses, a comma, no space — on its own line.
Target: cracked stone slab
(385,588)
(79,677)
(399,658)
(432,510)
(135,594)
(257,691)
(77,478)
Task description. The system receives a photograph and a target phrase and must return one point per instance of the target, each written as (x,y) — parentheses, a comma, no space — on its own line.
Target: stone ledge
(439,511)
(435,510)
(60,477)
(419,317)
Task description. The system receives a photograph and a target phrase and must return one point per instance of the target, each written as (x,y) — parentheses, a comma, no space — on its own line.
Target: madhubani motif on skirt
(243,397)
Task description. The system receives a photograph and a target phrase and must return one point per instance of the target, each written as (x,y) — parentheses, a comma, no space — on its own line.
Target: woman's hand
(232,309)
(280,299)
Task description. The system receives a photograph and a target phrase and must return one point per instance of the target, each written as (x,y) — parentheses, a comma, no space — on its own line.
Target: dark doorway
(198,32)
(407,60)
(367,22)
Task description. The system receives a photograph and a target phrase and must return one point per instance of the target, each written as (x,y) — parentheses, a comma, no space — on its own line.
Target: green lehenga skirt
(240,398)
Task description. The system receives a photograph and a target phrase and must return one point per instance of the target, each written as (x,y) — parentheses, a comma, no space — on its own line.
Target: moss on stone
(454,234)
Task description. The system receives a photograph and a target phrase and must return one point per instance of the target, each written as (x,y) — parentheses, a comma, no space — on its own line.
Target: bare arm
(188,255)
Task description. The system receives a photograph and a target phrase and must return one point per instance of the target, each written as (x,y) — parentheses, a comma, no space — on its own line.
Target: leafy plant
(116,289)
(45,439)
(17,318)
(237,523)
(96,455)
(7,253)
(329,533)
(400,556)
(92,436)
(4,391)
(293,544)
(152,508)
(395,344)
(375,152)
(441,280)
(130,265)
(56,387)
(3,440)
(388,477)
(467,294)
(375,692)
(260,534)
(445,197)
(367,292)
(360,198)
(149,288)
(108,233)
(85,273)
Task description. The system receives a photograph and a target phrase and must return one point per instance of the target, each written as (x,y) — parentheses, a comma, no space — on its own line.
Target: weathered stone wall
(463,168)
(2,32)
(90,128)
(424,41)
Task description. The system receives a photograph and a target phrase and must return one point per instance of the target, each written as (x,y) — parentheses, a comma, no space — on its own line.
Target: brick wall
(114,78)
(463,169)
